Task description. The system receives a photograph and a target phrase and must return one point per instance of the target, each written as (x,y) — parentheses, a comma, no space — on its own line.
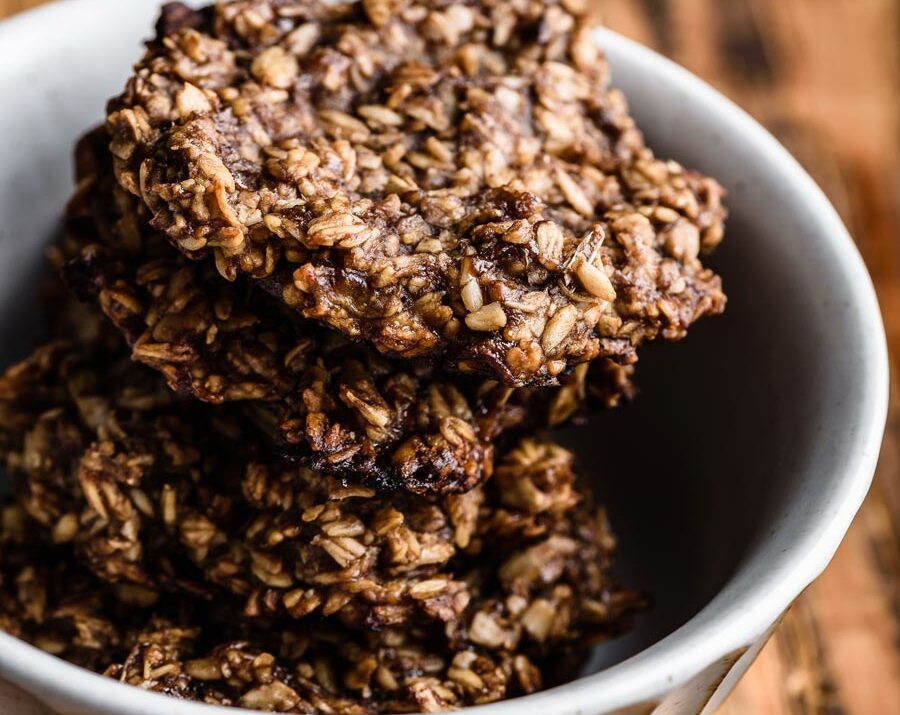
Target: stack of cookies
(338,269)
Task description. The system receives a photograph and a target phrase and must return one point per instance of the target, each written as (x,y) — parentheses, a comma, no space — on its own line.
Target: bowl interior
(739,437)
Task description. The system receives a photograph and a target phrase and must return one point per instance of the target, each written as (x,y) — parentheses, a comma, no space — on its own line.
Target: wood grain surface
(824,76)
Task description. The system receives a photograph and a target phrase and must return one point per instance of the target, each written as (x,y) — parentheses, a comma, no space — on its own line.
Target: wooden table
(824,76)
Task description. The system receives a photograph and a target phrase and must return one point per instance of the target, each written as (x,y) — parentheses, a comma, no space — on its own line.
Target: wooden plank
(761,691)
(856,622)
(10,7)
(840,83)
(627,17)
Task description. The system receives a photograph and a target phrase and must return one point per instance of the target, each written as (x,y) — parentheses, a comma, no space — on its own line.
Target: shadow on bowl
(689,471)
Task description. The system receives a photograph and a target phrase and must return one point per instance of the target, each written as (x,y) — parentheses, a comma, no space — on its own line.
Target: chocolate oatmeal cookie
(334,405)
(193,648)
(170,496)
(453,181)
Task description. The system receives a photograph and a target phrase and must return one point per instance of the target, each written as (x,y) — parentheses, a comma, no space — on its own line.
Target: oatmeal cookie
(452,181)
(337,406)
(161,494)
(186,646)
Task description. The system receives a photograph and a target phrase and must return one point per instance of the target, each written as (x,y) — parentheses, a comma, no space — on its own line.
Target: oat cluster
(159,506)
(337,268)
(339,407)
(454,181)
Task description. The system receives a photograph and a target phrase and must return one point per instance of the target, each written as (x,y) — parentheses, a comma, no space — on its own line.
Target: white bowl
(732,479)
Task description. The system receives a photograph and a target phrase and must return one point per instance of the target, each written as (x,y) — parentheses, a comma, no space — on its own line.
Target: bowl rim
(702,641)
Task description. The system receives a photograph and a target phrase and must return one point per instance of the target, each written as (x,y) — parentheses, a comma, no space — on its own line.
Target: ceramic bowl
(731,480)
